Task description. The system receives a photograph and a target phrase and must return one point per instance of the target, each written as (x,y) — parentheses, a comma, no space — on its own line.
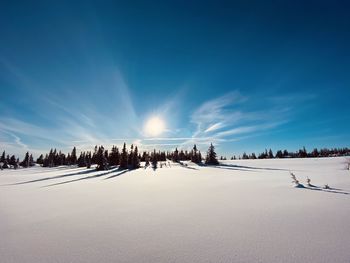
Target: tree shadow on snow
(91,177)
(187,167)
(117,174)
(47,169)
(330,190)
(232,168)
(250,167)
(56,177)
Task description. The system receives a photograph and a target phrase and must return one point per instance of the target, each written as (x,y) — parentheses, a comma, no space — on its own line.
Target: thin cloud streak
(215,127)
(221,118)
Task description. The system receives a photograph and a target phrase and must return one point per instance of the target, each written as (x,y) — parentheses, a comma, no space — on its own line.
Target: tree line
(301,153)
(13,162)
(131,158)
(104,159)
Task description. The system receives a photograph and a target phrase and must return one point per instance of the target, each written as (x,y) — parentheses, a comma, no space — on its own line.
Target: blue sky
(245,76)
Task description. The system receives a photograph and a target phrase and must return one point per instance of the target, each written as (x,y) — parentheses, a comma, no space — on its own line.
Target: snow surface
(242,211)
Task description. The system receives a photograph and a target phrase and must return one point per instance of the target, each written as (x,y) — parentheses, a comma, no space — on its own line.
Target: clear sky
(243,75)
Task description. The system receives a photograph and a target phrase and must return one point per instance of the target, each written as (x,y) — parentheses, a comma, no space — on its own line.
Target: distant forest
(130,159)
(104,159)
(301,153)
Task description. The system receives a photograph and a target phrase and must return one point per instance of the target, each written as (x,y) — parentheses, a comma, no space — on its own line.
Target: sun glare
(154,126)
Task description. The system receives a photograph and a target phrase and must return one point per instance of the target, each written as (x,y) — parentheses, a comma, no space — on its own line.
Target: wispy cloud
(226,121)
(218,109)
(239,130)
(215,127)
(250,129)
(64,115)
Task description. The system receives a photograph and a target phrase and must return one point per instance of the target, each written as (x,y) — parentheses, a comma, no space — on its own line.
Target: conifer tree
(46,161)
(147,160)
(302,153)
(94,155)
(6,164)
(123,158)
(106,156)
(131,157)
(25,162)
(73,156)
(40,159)
(2,159)
(114,156)
(211,156)
(182,155)
(31,160)
(101,160)
(88,160)
(194,155)
(315,153)
(13,161)
(279,154)
(68,160)
(135,159)
(270,155)
(154,160)
(81,160)
(176,155)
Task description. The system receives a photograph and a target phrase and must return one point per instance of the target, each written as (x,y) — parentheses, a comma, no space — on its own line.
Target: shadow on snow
(249,167)
(93,176)
(56,177)
(317,188)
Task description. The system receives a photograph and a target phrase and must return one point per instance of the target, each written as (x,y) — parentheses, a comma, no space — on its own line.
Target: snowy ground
(243,211)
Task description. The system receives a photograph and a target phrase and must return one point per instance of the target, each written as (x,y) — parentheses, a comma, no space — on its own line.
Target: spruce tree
(270,155)
(147,160)
(6,164)
(13,161)
(88,160)
(40,159)
(279,154)
(46,161)
(211,156)
(68,160)
(136,160)
(82,160)
(25,162)
(315,153)
(154,160)
(123,158)
(176,155)
(114,156)
(101,160)
(73,157)
(131,157)
(31,160)
(194,155)
(2,159)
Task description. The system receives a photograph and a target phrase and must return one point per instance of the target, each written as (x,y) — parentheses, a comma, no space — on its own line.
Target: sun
(154,126)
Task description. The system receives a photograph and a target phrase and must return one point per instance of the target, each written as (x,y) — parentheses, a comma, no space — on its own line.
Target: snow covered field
(242,211)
